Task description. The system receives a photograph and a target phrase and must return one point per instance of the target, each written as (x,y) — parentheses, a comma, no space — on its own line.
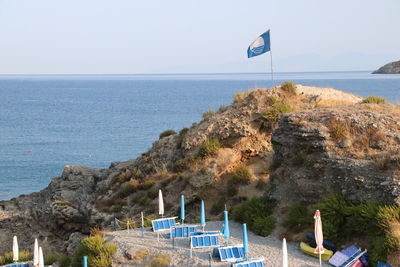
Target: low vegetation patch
(160,260)
(140,255)
(289,87)
(24,255)
(270,117)
(240,96)
(208,114)
(167,133)
(372,99)
(257,213)
(218,206)
(241,175)
(302,159)
(126,221)
(338,130)
(99,252)
(210,147)
(342,221)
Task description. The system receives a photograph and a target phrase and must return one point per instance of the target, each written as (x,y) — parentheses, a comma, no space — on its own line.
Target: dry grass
(372,99)
(337,129)
(289,87)
(160,260)
(240,96)
(382,162)
(208,114)
(95,231)
(140,255)
(332,102)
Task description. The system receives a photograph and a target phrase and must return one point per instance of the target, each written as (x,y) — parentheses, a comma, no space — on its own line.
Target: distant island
(390,68)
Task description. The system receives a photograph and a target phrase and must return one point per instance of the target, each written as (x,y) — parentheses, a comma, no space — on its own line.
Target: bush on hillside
(372,99)
(270,117)
(240,96)
(257,213)
(99,252)
(210,147)
(241,175)
(208,114)
(289,87)
(167,133)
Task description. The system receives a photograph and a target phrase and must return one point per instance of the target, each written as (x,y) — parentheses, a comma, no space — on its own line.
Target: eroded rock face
(353,150)
(54,213)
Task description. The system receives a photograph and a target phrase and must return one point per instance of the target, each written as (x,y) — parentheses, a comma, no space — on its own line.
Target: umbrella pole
(320,260)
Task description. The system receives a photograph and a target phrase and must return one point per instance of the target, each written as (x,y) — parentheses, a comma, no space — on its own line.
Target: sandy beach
(268,248)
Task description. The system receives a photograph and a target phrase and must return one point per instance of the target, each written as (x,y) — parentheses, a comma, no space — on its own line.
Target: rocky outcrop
(306,160)
(354,151)
(390,68)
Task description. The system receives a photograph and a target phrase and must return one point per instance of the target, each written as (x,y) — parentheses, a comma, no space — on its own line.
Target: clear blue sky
(168,36)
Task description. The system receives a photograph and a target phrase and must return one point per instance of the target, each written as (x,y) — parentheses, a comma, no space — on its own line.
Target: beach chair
(20,264)
(249,263)
(229,253)
(353,260)
(380,264)
(203,241)
(351,250)
(163,224)
(183,231)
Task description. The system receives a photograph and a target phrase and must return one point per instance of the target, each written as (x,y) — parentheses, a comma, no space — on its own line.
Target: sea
(49,121)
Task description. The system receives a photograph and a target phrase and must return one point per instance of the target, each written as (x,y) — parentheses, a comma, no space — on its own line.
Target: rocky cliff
(390,68)
(292,143)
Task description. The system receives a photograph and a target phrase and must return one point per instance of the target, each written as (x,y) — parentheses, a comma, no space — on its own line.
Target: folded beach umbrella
(225,229)
(284,254)
(41,259)
(15,249)
(182,208)
(319,238)
(36,254)
(245,241)
(202,214)
(160,203)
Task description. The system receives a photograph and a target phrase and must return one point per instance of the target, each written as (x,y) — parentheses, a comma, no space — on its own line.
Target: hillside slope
(326,142)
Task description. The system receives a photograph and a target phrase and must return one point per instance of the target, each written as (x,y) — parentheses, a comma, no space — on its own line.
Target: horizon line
(186,73)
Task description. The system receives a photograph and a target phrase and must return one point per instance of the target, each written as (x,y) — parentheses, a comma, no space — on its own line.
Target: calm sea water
(49,121)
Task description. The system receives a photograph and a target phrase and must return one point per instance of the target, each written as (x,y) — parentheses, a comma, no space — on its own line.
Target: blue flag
(260,45)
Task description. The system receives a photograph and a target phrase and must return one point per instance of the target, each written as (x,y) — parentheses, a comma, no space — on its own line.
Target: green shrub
(99,252)
(146,185)
(241,175)
(210,147)
(257,213)
(116,208)
(183,132)
(208,114)
(372,99)
(298,218)
(140,198)
(128,188)
(152,192)
(263,226)
(180,165)
(124,177)
(269,118)
(271,100)
(64,261)
(289,87)
(167,133)
(148,219)
(24,255)
(50,259)
(240,96)
(160,260)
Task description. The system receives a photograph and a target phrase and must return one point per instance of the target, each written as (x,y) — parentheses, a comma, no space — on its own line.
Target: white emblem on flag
(257,43)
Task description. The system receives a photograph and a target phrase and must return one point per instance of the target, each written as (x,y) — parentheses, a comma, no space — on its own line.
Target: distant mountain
(390,68)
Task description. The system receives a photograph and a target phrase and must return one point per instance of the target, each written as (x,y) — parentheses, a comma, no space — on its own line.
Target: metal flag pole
(270,52)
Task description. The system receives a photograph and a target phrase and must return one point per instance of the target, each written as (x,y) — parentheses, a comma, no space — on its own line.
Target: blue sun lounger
(183,231)
(353,258)
(203,241)
(21,264)
(249,263)
(380,264)
(229,253)
(163,224)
